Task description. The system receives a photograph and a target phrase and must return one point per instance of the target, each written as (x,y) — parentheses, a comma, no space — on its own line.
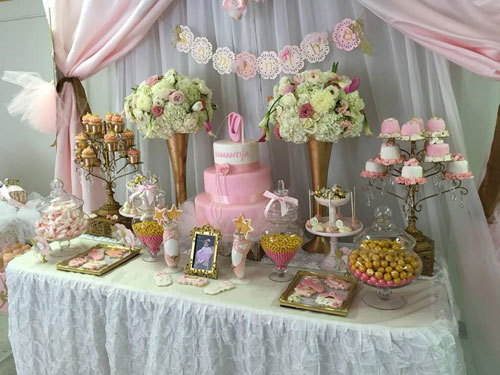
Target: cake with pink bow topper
(458,168)
(235,183)
(411,174)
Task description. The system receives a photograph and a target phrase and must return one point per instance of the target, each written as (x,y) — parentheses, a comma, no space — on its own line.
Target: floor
(6,360)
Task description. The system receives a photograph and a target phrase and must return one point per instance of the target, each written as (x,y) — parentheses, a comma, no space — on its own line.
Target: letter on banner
(315,47)
(291,59)
(184,40)
(223,60)
(245,65)
(269,64)
(202,50)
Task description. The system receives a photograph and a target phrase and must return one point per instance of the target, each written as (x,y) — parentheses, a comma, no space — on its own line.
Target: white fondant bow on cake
(283,199)
(236,128)
(148,189)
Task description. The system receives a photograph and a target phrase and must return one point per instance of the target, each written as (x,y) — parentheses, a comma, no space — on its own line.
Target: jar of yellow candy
(283,236)
(383,257)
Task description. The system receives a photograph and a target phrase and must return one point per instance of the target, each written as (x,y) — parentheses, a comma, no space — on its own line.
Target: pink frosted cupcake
(436,128)
(134,156)
(411,131)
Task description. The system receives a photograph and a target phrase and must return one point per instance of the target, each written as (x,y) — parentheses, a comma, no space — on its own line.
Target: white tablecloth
(122,323)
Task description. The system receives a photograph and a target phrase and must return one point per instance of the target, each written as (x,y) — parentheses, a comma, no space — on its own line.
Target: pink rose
(411,162)
(288,89)
(222,169)
(346,124)
(151,80)
(306,111)
(457,157)
(177,97)
(157,110)
(343,106)
(297,78)
(277,133)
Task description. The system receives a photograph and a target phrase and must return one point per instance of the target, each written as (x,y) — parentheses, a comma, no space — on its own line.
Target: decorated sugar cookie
(314,283)
(329,301)
(162,279)
(96,254)
(304,291)
(77,262)
(193,280)
(219,287)
(115,253)
(294,298)
(94,265)
(338,284)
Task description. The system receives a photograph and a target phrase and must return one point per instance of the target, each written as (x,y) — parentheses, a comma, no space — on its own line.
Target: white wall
(25,46)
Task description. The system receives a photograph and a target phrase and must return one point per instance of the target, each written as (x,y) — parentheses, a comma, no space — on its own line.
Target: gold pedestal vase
(319,160)
(177,148)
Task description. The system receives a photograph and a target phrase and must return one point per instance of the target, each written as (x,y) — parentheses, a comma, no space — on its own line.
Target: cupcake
(89,156)
(117,123)
(81,140)
(96,124)
(109,116)
(134,156)
(128,137)
(86,121)
(111,141)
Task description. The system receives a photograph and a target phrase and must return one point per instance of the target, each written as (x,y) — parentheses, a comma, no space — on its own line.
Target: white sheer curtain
(401,79)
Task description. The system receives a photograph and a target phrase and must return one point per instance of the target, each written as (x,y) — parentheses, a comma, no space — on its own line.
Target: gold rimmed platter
(111,262)
(309,303)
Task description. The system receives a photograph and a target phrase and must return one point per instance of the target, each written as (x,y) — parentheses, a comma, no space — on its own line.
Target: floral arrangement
(323,105)
(162,106)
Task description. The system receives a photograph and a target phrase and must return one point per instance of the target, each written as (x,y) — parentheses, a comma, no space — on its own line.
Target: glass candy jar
(283,236)
(61,217)
(146,198)
(384,258)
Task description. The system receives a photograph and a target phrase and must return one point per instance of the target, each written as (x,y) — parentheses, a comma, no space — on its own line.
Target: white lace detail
(269,64)
(293,63)
(223,60)
(186,38)
(314,51)
(201,50)
(245,65)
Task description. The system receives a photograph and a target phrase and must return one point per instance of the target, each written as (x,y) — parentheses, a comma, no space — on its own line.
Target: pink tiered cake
(234,185)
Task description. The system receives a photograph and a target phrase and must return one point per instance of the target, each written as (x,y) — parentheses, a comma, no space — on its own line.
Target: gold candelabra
(413,203)
(104,151)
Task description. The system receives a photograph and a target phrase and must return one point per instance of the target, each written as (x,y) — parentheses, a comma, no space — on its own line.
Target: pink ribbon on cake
(237,130)
(237,168)
(283,199)
(144,188)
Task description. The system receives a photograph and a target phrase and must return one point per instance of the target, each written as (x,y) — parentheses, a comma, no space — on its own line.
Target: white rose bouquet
(323,105)
(162,106)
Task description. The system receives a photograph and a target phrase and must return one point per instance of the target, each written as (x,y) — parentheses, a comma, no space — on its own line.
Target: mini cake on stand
(411,174)
(333,227)
(458,169)
(390,154)
(411,131)
(390,128)
(436,128)
(374,169)
(436,150)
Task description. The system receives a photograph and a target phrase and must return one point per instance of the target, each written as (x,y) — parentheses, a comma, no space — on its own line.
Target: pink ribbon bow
(144,188)
(5,193)
(283,199)
(239,5)
(237,130)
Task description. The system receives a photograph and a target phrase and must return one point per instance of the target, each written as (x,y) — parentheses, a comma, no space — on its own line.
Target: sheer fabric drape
(401,79)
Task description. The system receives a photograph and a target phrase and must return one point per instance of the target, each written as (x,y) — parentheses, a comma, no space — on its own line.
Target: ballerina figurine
(241,247)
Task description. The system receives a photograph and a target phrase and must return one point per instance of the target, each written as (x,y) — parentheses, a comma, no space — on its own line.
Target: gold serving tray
(134,251)
(342,311)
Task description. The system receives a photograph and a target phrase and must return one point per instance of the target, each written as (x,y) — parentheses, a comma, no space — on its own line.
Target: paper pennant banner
(314,48)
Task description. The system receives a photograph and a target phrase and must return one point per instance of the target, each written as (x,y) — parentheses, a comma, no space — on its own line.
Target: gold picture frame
(342,311)
(203,261)
(133,251)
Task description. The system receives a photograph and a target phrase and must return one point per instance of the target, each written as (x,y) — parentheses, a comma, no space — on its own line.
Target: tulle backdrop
(401,79)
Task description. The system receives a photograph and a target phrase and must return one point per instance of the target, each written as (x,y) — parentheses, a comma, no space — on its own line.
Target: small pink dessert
(193,280)
(390,128)
(390,154)
(411,131)
(115,253)
(94,265)
(436,150)
(314,283)
(96,254)
(78,262)
(458,169)
(419,121)
(304,291)
(411,174)
(436,128)
(338,284)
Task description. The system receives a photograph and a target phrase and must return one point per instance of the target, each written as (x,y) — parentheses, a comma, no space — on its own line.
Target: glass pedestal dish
(384,258)
(150,233)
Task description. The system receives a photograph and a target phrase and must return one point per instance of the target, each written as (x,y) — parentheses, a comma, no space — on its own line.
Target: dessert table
(122,323)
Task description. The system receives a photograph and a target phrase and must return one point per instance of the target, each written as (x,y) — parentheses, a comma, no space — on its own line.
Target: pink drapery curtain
(88,36)
(465,32)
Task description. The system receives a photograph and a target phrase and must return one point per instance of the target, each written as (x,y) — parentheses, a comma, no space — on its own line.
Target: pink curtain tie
(144,188)
(282,199)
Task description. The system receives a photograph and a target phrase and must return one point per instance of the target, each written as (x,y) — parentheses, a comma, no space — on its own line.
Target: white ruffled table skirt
(122,323)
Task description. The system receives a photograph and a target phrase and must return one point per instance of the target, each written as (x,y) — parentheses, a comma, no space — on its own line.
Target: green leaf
(335,66)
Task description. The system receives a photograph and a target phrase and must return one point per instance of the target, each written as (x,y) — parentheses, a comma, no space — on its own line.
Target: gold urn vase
(319,160)
(177,148)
